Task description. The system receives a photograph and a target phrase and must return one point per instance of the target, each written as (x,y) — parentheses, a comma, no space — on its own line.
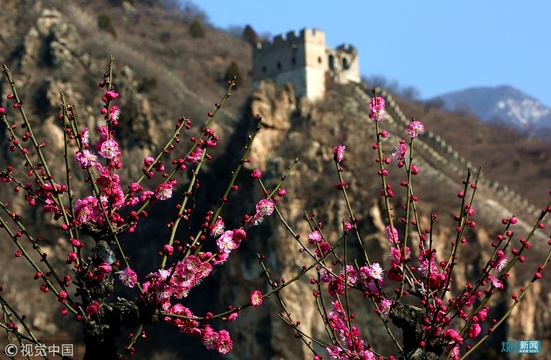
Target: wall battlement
(291,38)
(305,60)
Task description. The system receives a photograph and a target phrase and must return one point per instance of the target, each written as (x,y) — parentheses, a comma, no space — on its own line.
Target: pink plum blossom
(128,277)
(86,159)
(109,149)
(217,229)
(164,191)
(415,128)
(209,337)
(93,309)
(495,282)
(265,207)
(500,262)
(385,306)
(225,242)
(256,298)
(195,156)
(114,114)
(338,153)
(351,274)
(375,271)
(314,237)
(103,132)
(377,108)
(392,235)
(85,137)
(401,151)
(474,331)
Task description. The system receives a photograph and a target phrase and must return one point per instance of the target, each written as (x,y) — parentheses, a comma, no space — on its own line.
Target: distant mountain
(503,105)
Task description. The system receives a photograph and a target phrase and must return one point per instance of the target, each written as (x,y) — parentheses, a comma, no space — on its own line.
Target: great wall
(446,161)
(304,60)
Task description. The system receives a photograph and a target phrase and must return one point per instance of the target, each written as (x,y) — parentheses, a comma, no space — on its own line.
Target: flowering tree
(425,311)
(94,225)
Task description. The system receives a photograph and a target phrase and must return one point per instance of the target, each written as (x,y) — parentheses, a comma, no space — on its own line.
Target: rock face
(276,109)
(53,42)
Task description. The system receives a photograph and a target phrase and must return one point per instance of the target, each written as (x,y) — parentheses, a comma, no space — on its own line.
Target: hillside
(163,72)
(521,163)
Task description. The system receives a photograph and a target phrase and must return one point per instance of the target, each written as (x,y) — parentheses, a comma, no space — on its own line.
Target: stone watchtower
(304,60)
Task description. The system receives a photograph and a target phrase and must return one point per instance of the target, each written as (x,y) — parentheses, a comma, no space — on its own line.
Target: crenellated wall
(304,60)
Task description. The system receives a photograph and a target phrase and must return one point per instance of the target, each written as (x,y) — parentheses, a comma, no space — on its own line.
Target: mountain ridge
(503,104)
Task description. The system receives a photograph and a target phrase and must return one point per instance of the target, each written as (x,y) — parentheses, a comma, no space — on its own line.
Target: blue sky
(434,45)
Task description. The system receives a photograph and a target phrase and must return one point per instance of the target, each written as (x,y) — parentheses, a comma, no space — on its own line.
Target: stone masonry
(305,60)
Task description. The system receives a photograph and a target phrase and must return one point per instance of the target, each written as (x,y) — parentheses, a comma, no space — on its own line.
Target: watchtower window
(331,62)
(345,65)
(319,59)
(278,65)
